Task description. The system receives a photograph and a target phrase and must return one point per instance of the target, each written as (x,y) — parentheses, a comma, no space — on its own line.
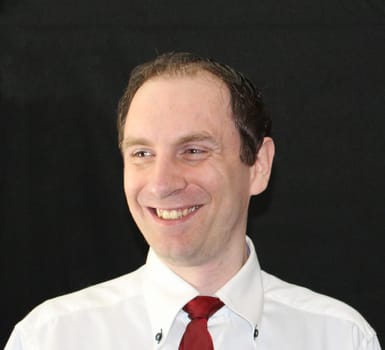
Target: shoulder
(307,304)
(126,288)
(89,316)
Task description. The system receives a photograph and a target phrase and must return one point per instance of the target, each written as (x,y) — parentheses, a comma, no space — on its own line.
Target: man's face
(185,184)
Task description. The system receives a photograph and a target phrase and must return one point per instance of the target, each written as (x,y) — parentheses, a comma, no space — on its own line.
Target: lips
(174,214)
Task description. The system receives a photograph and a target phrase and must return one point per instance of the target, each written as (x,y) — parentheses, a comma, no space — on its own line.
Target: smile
(174,214)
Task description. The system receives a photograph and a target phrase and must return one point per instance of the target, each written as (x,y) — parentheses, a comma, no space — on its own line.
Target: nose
(167,177)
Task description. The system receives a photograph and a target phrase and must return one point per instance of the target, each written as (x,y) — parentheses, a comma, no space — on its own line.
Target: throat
(211,276)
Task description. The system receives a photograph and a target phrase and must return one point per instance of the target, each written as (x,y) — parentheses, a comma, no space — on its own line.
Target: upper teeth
(174,213)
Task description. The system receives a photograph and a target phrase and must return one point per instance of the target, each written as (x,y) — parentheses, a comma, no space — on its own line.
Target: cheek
(132,185)
(234,183)
(215,182)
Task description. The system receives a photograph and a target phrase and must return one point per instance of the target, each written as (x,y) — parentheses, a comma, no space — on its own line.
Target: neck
(210,276)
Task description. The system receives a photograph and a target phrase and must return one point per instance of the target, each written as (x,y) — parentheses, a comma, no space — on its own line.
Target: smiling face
(185,184)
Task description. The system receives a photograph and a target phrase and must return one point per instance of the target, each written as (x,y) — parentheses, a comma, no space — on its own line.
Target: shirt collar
(166,293)
(243,294)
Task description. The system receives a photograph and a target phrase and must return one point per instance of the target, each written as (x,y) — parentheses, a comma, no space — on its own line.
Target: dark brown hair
(250,116)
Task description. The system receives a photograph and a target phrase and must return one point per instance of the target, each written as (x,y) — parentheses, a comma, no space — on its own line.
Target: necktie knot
(202,307)
(196,335)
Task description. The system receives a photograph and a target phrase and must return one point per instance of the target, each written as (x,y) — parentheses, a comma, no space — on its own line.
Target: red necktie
(196,335)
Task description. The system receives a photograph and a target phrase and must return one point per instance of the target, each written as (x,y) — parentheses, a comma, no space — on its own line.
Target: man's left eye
(194,154)
(194,151)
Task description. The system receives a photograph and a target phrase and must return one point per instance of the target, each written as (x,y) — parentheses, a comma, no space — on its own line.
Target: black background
(64,64)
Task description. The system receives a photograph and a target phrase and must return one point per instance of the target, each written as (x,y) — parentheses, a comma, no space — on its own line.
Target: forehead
(200,84)
(200,98)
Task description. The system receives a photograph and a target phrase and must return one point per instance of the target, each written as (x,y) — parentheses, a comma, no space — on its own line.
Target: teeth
(174,214)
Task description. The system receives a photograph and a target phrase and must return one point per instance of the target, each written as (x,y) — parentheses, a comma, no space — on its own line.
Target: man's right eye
(141,154)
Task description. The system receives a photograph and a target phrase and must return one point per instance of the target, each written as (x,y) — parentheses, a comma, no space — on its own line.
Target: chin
(177,253)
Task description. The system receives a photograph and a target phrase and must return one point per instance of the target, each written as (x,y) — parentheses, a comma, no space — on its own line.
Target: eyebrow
(197,137)
(132,141)
(194,137)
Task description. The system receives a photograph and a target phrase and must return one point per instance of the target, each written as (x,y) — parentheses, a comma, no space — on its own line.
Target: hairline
(191,69)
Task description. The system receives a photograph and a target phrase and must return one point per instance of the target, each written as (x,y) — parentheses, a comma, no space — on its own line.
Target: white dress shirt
(143,310)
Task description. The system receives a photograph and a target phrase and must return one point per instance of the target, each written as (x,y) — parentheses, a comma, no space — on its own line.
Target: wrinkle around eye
(195,153)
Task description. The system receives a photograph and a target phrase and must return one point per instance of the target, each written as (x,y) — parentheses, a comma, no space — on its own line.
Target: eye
(194,153)
(141,154)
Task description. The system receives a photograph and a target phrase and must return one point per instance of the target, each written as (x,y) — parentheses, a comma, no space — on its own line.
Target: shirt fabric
(143,310)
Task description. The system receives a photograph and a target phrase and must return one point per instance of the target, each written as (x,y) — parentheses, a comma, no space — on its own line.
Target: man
(194,137)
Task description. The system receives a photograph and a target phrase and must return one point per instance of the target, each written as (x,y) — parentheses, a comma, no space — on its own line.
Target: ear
(261,170)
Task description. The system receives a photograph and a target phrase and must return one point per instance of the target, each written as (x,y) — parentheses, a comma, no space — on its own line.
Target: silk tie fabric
(196,335)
